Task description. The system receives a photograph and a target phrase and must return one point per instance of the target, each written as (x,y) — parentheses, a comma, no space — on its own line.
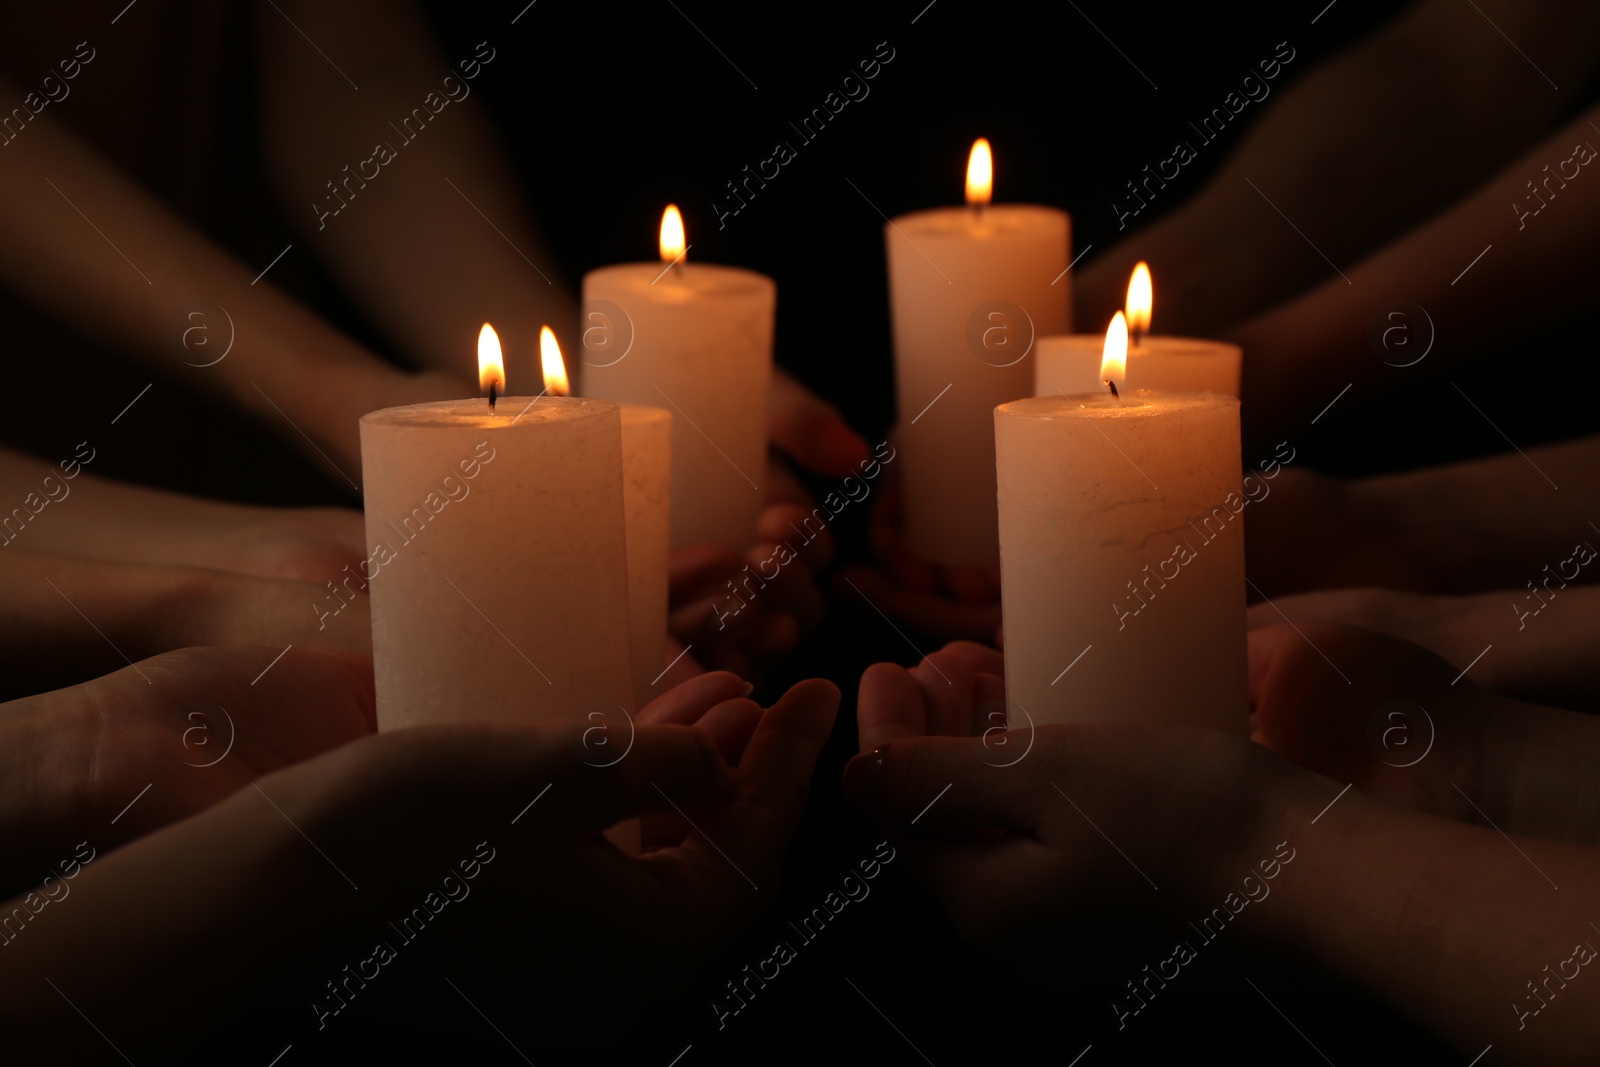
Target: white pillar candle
(647,474)
(499,568)
(1069,365)
(968,290)
(696,339)
(1122,559)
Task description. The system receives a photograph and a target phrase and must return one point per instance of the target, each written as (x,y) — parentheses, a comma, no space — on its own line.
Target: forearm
(1447,922)
(1534,647)
(1301,355)
(402,187)
(234,884)
(266,354)
(1350,153)
(1495,523)
(67,620)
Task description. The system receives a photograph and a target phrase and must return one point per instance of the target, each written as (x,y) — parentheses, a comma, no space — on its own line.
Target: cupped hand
(940,602)
(492,831)
(1410,729)
(1022,838)
(745,612)
(123,755)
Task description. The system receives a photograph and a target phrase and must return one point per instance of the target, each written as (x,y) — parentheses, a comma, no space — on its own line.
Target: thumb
(811,430)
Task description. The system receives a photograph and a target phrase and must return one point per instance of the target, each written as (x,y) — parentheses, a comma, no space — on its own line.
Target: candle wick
(1113,386)
(977,210)
(492,386)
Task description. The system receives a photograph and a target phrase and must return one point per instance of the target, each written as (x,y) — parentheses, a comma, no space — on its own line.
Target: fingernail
(863,775)
(749,687)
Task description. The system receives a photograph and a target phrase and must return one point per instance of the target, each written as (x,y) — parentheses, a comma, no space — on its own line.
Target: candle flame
(491,366)
(672,246)
(555,370)
(980,174)
(1141,299)
(1114,364)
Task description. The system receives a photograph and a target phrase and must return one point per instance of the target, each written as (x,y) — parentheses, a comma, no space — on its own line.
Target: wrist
(1230,850)
(1267,878)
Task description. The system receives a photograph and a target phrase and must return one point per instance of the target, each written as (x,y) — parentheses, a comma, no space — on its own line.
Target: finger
(811,430)
(947,685)
(774,636)
(972,585)
(802,528)
(731,724)
(714,619)
(1265,645)
(697,568)
(989,704)
(782,487)
(1259,615)
(685,704)
(887,533)
(977,657)
(889,706)
(927,788)
(779,762)
(927,613)
(781,581)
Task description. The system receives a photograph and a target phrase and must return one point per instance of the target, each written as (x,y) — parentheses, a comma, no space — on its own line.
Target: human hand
(1542,643)
(745,612)
(364,832)
(940,602)
(1407,728)
(177,733)
(1007,841)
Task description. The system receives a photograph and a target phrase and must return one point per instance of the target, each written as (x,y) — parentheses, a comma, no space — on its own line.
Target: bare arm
(67,620)
(1449,923)
(1303,353)
(1492,523)
(115,522)
(287,367)
(435,240)
(1358,150)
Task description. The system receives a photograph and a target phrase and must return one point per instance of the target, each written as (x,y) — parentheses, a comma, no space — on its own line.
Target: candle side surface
(1122,559)
(499,570)
(963,287)
(699,343)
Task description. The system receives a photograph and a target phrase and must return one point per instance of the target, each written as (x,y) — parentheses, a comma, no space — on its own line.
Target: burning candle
(1122,555)
(1071,364)
(696,339)
(646,481)
(499,567)
(969,289)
